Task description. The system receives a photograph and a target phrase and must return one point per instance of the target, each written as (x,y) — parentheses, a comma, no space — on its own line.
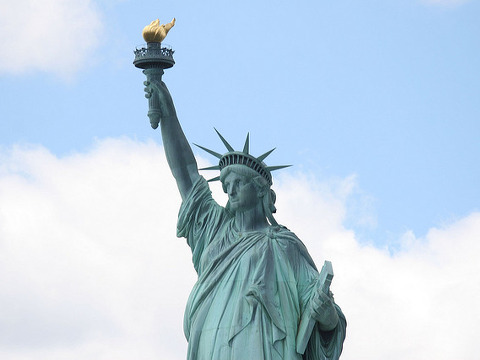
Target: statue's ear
(261,192)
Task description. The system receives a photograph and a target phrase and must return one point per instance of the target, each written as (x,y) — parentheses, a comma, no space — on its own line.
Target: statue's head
(247,189)
(240,168)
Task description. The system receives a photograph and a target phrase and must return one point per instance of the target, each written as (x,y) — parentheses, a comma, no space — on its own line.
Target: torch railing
(152,55)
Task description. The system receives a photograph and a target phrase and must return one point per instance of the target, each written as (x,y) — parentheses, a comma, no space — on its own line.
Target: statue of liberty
(256,284)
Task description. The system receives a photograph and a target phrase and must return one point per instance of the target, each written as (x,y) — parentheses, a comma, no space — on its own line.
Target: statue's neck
(251,220)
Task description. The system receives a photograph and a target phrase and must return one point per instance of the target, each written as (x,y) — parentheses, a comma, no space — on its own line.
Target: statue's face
(242,193)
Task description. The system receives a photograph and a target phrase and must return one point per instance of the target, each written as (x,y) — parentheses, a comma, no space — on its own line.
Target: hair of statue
(258,180)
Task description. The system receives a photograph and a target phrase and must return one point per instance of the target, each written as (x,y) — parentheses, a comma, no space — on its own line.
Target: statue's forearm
(179,154)
(329,321)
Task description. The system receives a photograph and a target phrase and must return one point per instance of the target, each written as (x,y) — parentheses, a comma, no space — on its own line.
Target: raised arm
(177,149)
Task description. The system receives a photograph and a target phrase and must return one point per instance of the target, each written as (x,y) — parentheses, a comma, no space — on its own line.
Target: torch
(153,58)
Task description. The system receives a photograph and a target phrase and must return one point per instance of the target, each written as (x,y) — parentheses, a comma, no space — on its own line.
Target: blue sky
(387,91)
(375,103)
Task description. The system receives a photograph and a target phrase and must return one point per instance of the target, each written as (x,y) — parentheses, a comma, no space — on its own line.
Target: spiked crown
(233,157)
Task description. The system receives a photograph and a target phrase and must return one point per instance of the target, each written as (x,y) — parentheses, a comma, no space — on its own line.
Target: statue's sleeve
(327,345)
(199,219)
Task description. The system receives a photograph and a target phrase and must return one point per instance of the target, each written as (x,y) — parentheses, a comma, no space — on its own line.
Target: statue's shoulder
(291,243)
(283,234)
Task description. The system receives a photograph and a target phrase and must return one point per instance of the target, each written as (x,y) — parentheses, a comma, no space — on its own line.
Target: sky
(374,103)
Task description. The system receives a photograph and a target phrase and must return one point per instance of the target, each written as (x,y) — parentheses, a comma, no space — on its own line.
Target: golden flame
(156,32)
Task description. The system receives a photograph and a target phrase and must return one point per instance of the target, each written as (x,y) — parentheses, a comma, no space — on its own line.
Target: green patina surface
(259,294)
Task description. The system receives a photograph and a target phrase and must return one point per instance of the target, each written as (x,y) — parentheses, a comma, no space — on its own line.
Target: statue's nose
(231,190)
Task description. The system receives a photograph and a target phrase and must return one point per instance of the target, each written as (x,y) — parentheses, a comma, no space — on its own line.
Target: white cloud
(90,266)
(55,36)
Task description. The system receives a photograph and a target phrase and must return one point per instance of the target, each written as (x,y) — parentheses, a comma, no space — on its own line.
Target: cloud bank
(54,36)
(90,266)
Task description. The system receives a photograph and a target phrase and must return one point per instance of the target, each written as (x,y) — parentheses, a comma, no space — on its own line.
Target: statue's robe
(251,291)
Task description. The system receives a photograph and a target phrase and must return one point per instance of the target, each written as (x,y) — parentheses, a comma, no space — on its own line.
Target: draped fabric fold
(251,290)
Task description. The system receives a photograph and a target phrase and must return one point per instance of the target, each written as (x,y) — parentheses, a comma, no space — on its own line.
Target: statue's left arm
(326,340)
(322,326)
(323,311)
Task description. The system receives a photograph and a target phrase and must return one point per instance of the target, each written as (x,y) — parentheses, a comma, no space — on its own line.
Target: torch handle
(154,76)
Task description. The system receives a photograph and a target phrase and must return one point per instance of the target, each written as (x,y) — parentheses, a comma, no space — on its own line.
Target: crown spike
(225,142)
(273,168)
(217,155)
(214,179)
(215,167)
(264,156)
(243,158)
(246,147)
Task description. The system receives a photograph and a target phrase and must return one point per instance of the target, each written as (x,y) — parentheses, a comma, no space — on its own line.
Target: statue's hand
(163,101)
(323,310)
(148,89)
